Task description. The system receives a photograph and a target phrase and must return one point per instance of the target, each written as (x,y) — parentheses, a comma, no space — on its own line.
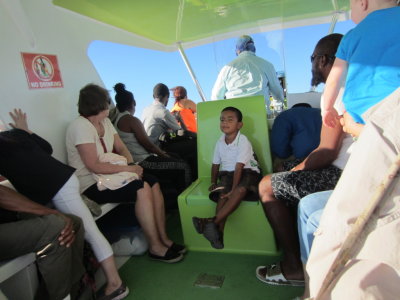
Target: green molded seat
(247,230)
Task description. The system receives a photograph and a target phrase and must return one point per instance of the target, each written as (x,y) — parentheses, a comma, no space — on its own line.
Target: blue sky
(141,69)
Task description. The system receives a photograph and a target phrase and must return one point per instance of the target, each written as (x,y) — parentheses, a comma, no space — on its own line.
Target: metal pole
(189,67)
(334,17)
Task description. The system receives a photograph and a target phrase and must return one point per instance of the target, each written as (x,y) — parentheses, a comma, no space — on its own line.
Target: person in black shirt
(57,240)
(26,161)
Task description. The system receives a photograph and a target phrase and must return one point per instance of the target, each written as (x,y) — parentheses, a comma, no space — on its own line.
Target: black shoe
(213,235)
(181,249)
(198,224)
(169,257)
(119,293)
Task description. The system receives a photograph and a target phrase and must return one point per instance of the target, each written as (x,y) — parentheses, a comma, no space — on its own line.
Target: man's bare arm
(14,201)
(326,152)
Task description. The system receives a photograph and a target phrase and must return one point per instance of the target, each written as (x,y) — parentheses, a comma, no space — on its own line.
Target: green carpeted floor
(151,280)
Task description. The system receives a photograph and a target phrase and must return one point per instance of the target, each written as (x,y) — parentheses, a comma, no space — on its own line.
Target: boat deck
(155,280)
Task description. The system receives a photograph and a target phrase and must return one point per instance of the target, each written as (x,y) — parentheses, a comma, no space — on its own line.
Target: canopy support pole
(189,67)
(335,16)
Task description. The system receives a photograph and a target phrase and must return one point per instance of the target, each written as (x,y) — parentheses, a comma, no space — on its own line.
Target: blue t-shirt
(296,131)
(372,50)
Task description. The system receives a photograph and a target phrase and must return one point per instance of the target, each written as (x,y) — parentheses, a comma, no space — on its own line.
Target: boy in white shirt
(236,167)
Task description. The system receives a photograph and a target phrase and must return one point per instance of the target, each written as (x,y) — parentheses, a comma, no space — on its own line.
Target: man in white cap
(247,75)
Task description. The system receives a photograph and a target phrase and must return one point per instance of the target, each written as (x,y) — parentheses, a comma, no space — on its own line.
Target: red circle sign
(43,68)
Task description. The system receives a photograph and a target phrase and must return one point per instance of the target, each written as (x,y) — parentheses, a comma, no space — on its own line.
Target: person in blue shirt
(296,131)
(369,55)
(247,75)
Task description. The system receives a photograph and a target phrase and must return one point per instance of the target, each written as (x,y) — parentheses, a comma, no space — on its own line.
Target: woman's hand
(20,120)
(136,169)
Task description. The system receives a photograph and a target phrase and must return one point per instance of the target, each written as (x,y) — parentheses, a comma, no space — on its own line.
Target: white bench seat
(11,267)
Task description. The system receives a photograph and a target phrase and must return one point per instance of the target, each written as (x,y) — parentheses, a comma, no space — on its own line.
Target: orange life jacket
(187,117)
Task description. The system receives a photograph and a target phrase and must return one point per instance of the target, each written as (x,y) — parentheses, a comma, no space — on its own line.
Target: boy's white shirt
(240,150)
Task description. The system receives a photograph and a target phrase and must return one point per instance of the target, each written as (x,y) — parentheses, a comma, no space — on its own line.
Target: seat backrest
(254,127)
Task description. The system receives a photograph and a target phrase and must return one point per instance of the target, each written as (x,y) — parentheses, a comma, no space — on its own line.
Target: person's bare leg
(159,213)
(111,272)
(221,202)
(285,229)
(229,206)
(144,209)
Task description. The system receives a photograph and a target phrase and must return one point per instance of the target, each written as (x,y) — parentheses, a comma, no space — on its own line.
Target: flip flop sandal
(216,193)
(274,276)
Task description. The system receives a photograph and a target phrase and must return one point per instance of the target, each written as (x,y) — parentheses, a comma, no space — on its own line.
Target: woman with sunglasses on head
(92,135)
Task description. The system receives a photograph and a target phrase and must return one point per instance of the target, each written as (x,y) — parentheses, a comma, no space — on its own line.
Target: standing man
(247,75)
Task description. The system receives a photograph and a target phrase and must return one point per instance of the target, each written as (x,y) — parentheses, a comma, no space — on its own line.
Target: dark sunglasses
(314,56)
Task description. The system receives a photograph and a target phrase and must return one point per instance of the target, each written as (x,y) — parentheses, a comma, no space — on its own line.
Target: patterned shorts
(290,187)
